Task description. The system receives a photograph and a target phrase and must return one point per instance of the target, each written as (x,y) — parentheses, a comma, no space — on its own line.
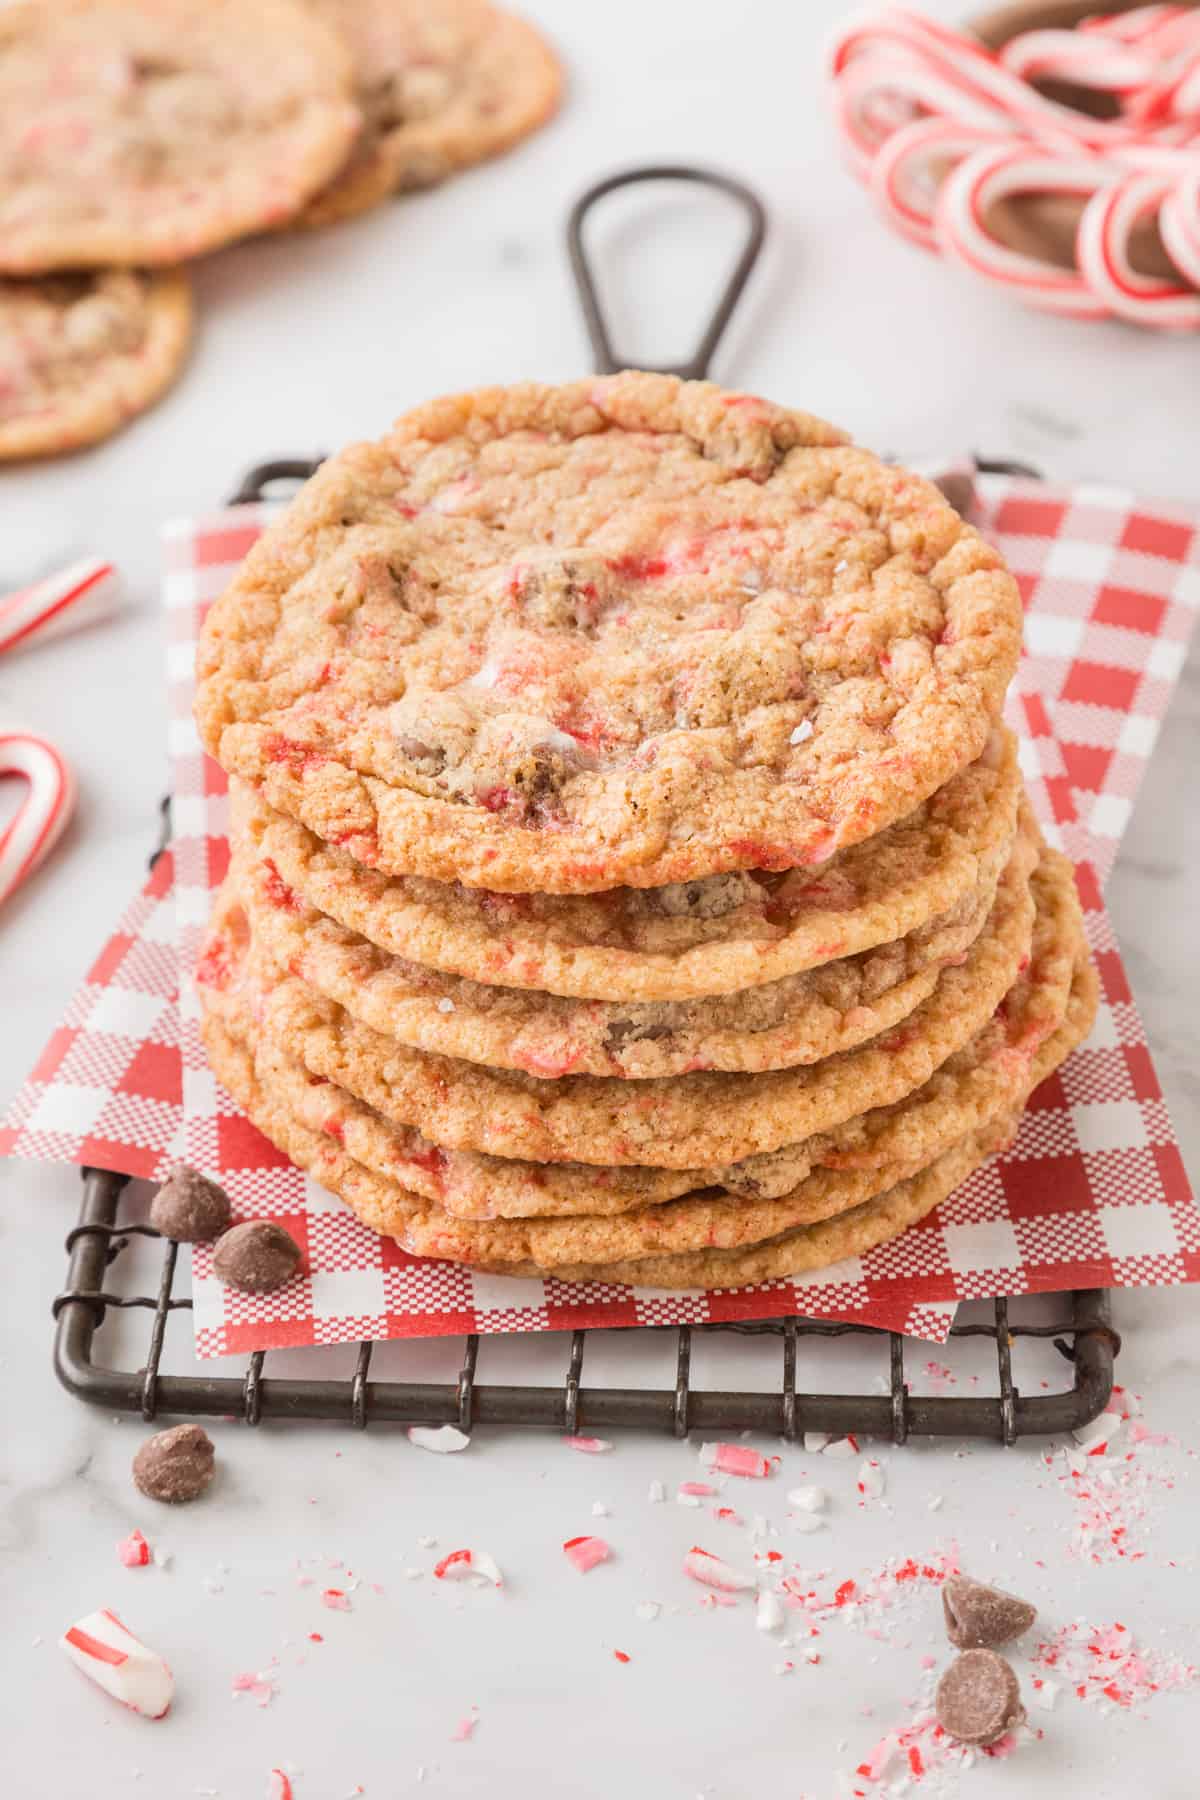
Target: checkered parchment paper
(1092,1193)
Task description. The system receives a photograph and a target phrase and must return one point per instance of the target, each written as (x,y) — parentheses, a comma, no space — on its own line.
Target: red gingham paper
(1093,1192)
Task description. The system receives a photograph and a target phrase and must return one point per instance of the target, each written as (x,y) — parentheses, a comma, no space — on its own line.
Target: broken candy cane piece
(769,1614)
(815,1441)
(586,1552)
(808,1499)
(871,1479)
(590,1446)
(336,1600)
(734,1459)
(115,1660)
(843,1446)
(710,1571)
(445,1439)
(134,1551)
(461,1563)
(278,1786)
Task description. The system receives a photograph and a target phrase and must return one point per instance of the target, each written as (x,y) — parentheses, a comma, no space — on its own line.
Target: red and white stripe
(1102,247)
(121,1664)
(45,810)
(915,99)
(963,233)
(79,595)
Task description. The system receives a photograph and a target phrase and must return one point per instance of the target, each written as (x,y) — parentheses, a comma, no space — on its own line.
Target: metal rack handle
(696,366)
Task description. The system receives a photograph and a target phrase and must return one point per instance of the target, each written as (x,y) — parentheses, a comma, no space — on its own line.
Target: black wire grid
(1082,1331)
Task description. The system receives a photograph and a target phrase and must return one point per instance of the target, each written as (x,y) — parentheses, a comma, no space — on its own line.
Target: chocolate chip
(978,1616)
(256,1257)
(978,1698)
(189,1207)
(175,1465)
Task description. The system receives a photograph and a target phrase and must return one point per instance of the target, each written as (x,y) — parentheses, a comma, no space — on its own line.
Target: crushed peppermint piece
(462,1563)
(656,1492)
(712,1572)
(599,1510)
(335,1599)
(589,1446)
(134,1551)
(934,1503)
(464,1731)
(116,1661)
(815,1441)
(735,1459)
(802,733)
(647,1610)
(427,1543)
(259,1683)
(279,1787)
(843,1446)
(585,1552)
(872,1481)
(622,1656)
(702,1490)
(444,1439)
(769,1614)
(445,1005)
(808,1498)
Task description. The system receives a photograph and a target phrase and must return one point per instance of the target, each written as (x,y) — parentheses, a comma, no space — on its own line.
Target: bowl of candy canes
(1052,149)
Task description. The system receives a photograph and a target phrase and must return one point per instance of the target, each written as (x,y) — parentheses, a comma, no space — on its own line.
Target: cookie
(150,131)
(914,1135)
(440,84)
(712,936)
(82,355)
(847,1233)
(1054,993)
(630,630)
(800,1019)
(682,1122)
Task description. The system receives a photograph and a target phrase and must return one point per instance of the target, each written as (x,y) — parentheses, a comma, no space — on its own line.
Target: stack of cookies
(630,877)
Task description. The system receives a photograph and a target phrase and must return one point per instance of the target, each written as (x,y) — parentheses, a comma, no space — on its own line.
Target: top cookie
(440,84)
(148,131)
(626,631)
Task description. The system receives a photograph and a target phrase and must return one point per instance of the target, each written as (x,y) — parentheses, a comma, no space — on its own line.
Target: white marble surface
(303,345)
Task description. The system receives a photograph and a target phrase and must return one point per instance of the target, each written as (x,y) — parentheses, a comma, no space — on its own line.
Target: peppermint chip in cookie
(149,131)
(693,939)
(440,84)
(629,631)
(82,355)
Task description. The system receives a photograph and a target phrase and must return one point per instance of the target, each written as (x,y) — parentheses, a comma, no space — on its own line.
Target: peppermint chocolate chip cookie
(715,935)
(630,631)
(149,131)
(82,355)
(440,84)
(990,1078)
(799,1019)
(682,1122)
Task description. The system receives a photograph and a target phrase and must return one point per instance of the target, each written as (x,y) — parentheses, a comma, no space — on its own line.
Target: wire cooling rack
(1081,1327)
(1081,1330)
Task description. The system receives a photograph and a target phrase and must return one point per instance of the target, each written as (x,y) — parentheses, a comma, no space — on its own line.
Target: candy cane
(1179,223)
(993,174)
(44,812)
(1103,250)
(77,596)
(913,97)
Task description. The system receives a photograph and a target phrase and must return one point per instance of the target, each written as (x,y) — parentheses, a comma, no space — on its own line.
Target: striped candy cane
(940,129)
(77,596)
(44,812)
